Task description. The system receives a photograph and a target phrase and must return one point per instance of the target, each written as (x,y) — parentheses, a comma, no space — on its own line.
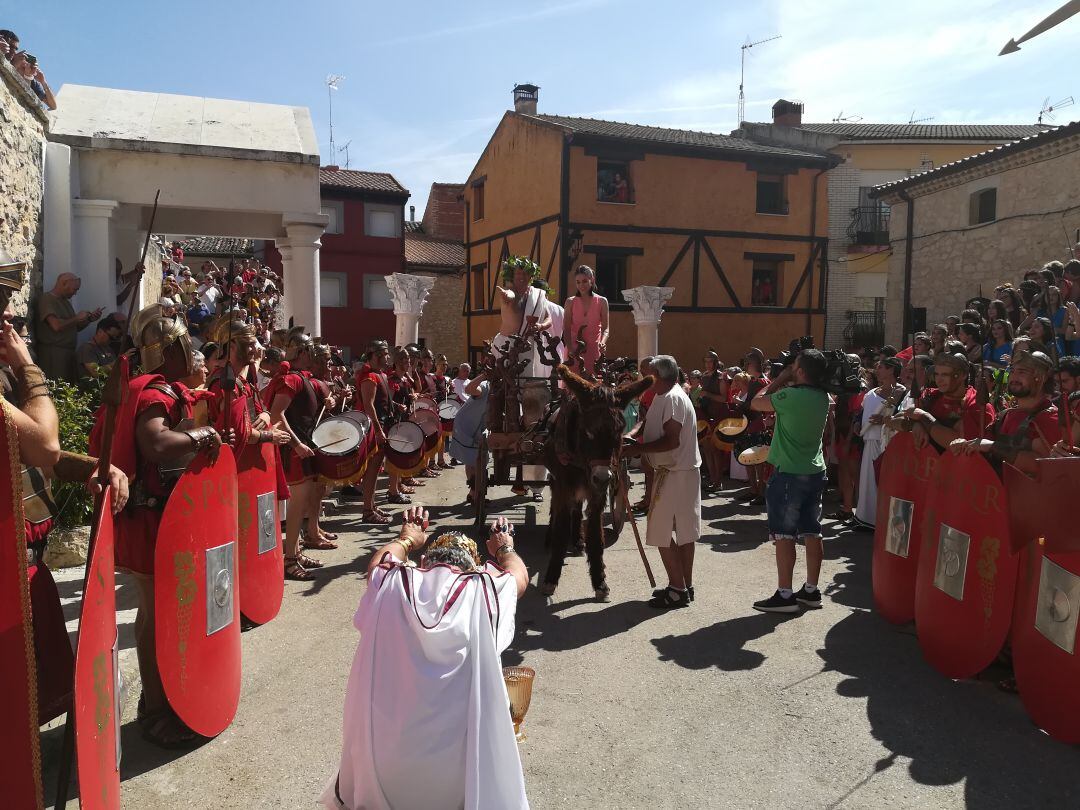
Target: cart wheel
(481,486)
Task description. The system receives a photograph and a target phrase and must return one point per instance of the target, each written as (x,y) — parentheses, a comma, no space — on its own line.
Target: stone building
(434,247)
(23,126)
(961,229)
(870,154)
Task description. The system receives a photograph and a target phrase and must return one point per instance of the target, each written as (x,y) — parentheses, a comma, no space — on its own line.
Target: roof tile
(377,182)
(673,137)
(937,132)
(217,246)
(427,251)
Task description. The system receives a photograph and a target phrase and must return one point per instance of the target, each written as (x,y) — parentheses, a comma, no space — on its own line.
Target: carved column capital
(409,292)
(648,302)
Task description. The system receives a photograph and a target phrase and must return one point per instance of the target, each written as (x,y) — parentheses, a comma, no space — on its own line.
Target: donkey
(583,456)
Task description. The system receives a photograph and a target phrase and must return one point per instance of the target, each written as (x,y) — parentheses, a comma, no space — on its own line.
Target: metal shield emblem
(1056,608)
(906,476)
(197,617)
(1044,635)
(97,700)
(260,584)
(266,509)
(965,588)
(219,587)
(952,557)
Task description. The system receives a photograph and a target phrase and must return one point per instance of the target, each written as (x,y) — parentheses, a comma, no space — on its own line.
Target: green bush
(75,408)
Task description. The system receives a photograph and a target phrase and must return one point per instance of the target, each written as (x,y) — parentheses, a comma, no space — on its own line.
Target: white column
(93,253)
(409,294)
(300,269)
(61,189)
(648,304)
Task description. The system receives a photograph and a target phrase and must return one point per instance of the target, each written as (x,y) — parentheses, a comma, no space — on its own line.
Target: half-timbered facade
(737,228)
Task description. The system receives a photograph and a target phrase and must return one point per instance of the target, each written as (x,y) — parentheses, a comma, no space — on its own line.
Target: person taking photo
(793,494)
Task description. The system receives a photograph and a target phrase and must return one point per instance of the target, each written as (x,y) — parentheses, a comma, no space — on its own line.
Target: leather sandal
(295,571)
(309,562)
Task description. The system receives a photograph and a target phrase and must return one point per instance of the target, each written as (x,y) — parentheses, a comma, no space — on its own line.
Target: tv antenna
(332,82)
(742,72)
(1049,109)
(849,119)
(345,148)
(914,120)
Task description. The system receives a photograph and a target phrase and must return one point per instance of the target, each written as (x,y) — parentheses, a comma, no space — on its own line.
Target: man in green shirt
(793,494)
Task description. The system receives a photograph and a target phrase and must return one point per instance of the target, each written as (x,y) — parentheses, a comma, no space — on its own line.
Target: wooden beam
(674,264)
(554,253)
(805,275)
(722,276)
(512,231)
(697,269)
(773,237)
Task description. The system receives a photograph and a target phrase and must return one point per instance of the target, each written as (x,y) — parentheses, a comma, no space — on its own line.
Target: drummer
(757,431)
(713,399)
(376,402)
(403,384)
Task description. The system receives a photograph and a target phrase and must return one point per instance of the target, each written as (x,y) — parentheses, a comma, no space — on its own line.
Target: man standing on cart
(524,311)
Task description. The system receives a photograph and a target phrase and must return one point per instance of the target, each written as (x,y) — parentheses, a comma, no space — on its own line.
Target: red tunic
(963,412)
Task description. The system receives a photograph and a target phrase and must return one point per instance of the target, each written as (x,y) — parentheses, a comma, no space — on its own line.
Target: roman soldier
(1029,429)
(377,402)
(153,443)
(298,399)
(948,412)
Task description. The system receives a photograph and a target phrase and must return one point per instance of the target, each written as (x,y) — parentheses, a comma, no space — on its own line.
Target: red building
(363,243)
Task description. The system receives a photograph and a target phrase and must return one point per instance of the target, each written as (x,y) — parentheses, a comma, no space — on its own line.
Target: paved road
(715,706)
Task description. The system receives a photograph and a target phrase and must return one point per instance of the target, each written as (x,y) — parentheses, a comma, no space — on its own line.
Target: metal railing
(865,328)
(869,225)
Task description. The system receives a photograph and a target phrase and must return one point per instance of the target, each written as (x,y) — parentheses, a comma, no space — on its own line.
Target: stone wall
(442,326)
(1038,212)
(23,124)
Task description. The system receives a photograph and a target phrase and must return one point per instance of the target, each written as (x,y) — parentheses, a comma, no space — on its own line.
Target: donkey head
(599,423)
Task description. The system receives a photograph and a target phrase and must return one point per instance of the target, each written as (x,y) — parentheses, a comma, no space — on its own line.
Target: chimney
(412,213)
(331,168)
(787,113)
(525,96)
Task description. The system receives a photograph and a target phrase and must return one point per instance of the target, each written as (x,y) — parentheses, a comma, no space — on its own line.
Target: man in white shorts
(669,442)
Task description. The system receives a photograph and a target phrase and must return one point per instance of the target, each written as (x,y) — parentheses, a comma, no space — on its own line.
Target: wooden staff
(633,525)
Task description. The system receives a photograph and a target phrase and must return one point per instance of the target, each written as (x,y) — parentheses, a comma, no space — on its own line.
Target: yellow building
(737,228)
(869,155)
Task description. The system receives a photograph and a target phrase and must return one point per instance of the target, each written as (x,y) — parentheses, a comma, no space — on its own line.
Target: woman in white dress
(888,393)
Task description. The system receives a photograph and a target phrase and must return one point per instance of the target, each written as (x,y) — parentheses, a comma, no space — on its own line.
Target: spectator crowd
(26,65)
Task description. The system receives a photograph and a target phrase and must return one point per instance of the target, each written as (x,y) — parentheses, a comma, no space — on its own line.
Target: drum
(702,429)
(423,403)
(363,421)
(430,424)
(758,454)
(448,411)
(728,429)
(340,449)
(404,447)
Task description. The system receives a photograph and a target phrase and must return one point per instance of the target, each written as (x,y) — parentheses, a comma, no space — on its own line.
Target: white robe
(866,508)
(536,304)
(427,721)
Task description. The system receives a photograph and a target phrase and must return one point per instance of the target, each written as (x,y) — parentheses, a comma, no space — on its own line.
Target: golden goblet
(519,684)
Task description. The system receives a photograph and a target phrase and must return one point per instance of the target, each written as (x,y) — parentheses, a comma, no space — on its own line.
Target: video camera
(841,372)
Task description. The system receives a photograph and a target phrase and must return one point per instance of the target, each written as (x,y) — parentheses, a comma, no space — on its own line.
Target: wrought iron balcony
(865,328)
(869,225)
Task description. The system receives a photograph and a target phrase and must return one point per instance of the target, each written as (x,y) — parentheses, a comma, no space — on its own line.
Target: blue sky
(426,82)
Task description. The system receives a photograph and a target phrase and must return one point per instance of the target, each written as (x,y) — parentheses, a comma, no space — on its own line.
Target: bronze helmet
(153,333)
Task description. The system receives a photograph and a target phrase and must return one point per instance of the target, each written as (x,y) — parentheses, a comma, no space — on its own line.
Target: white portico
(224,168)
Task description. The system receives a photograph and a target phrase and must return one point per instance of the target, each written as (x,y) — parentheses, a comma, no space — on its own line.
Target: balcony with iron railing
(864,328)
(869,225)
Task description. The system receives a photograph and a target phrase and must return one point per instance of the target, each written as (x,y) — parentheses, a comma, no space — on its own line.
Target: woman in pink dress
(586,319)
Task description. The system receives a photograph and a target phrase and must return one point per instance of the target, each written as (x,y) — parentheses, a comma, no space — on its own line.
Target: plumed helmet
(296,343)
(226,329)
(153,333)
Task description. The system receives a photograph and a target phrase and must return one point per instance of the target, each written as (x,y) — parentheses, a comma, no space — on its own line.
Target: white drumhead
(424,403)
(336,436)
(754,455)
(449,408)
(405,437)
(360,418)
(428,421)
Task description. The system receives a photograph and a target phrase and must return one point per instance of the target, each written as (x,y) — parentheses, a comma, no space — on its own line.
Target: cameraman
(793,494)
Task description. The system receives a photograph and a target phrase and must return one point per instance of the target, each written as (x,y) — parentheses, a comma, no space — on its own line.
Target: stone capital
(648,302)
(104,209)
(409,292)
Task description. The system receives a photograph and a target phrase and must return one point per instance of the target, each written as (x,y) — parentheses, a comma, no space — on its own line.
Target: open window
(611,276)
(982,206)
(765,283)
(478,291)
(771,196)
(613,182)
(478,199)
